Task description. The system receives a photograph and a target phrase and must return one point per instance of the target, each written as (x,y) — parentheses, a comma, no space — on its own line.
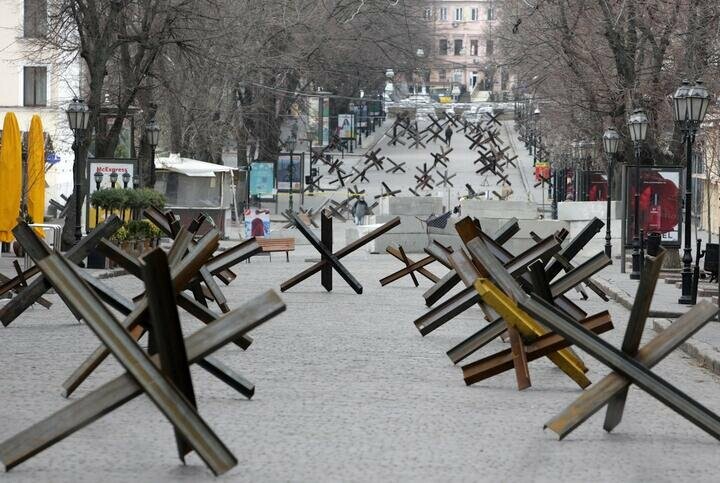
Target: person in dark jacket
(448,135)
(360,210)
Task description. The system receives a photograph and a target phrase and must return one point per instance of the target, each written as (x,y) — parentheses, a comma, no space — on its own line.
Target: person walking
(360,210)
(448,135)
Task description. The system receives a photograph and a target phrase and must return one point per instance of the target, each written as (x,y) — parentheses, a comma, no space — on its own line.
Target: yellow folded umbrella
(36,173)
(10,176)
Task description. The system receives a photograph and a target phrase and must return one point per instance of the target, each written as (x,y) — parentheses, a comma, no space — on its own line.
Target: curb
(694,348)
(624,299)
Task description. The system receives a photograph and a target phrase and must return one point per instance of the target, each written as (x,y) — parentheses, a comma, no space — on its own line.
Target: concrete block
(521,210)
(411,205)
(408,223)
(587,210)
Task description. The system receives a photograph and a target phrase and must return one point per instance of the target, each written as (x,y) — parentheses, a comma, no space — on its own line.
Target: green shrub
(120,235)
(141,230)
(121,199)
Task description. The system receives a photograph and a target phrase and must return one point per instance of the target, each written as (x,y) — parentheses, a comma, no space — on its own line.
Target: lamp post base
(636,261)
(686,297)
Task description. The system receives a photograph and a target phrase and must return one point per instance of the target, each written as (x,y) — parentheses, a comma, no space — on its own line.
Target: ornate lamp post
(291,168)
(689,107)
(113,179)
(78,115)
(638,125)
(152,136)
(126,179)
(611,142)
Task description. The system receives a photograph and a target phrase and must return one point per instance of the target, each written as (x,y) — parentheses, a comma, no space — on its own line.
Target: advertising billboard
(262,180)
(286,165)
(101,175)
(659,202)
(346,126)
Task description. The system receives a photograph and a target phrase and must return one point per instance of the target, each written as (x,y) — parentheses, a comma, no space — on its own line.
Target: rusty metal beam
(348,249)
(542,346)
(659,347)
(166,397)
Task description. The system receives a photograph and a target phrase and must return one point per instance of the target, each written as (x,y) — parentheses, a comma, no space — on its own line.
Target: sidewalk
(703,347)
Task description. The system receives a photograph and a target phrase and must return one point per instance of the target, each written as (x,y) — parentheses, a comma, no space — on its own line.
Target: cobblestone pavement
(347,390)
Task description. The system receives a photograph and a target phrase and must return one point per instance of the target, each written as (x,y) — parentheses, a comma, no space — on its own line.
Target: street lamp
(585,154)
(126,179)
(152,136)
(689,107)
(637,125)
(78,115)
(611,142)
(113,179)
(291,146)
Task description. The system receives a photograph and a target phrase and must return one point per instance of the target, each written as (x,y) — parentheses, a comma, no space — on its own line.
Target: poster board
(596,185)
(262,180)
(346,126)
(284,170)
(106,166)
(660,203)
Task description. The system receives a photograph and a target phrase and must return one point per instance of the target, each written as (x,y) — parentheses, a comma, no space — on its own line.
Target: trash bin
(711,259)
(653,244)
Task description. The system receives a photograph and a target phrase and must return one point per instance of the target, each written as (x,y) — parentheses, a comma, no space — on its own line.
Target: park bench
(270,245)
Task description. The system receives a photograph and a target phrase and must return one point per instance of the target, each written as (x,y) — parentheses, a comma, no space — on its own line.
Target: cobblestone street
(347,390)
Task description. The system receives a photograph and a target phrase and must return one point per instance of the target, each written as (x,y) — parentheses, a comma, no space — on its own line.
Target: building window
(35,86)
(443,47)
(428,13)
(474,14)
(443,13)
(474,48)
(458,14)
(491,13)
(34,18)
(458,47)
(489,47)
(442,75)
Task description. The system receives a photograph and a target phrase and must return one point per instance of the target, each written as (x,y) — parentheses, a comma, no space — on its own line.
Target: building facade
(29,86)
(463,57)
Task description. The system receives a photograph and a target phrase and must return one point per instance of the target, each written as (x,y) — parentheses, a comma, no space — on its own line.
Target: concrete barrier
(415,205)
(521,210)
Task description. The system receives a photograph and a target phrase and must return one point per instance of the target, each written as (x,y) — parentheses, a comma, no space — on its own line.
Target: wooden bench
(269,245)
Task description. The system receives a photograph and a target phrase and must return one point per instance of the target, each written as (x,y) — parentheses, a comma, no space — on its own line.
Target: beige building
(462,58)
(29,86)
(707,173)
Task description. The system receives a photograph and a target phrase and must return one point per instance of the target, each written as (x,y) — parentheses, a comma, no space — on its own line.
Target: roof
(190,167)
